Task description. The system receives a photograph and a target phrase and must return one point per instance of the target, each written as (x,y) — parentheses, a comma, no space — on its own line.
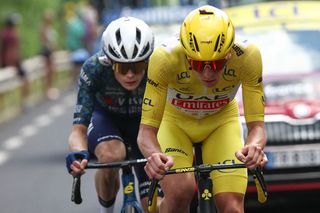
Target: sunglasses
(136,68)
(213,65)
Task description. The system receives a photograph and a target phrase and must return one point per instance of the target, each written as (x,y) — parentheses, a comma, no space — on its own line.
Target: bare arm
(77,143)
(256,134)
(78,138)
(252,153)
(148,143)
(147,140)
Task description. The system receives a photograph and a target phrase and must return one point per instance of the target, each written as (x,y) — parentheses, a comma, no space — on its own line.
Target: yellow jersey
(173,88)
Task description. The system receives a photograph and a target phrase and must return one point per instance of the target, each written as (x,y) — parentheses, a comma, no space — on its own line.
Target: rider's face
(209,77)
(209,71)
(130,75)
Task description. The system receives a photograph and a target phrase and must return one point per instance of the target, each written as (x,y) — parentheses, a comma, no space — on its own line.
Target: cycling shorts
(221,137)
(105,126)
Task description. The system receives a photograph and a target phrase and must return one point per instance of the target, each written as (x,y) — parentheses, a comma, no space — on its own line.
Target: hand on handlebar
(252,155)
(157,165)
(76,162)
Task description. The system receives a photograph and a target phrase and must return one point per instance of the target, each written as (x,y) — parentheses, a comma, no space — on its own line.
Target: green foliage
(31,14)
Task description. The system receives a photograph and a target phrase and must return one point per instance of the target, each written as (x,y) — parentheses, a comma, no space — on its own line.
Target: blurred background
(43,44)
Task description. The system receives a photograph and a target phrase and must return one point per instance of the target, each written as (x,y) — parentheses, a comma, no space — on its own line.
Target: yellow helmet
(207,34)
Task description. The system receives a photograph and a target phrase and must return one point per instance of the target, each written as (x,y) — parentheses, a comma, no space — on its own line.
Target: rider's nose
(207,71)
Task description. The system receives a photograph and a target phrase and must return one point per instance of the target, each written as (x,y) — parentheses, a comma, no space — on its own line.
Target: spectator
(90,18)
(10,49)
(48,38)
(75,32)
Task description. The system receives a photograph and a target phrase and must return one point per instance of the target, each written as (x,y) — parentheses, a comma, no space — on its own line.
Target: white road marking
(4,156)
(57,110)
(70,100)
(32,129)
(28,130)
(13,143)
(43,120)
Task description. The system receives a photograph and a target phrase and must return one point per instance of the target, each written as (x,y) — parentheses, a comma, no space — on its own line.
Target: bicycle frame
(202,172)
(130,202)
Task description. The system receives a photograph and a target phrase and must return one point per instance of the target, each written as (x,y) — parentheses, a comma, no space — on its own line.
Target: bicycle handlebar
(257,173)
(205,168)
(76,185)
(119,164)
(76,190)
(261,186)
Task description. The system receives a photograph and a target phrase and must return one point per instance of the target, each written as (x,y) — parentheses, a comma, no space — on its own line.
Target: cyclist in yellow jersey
(190,98)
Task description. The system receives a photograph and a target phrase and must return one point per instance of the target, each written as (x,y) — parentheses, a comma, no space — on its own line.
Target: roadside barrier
(12,100)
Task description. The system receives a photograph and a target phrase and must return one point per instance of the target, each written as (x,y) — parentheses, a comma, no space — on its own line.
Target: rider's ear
(228,56)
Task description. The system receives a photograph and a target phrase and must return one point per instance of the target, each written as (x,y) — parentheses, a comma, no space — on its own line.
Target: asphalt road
(33,177)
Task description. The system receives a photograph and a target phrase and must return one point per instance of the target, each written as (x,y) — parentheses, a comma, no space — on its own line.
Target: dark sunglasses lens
(136,68)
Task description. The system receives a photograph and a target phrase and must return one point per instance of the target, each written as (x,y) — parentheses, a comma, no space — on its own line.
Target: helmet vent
(118,37)
(217,44)
(146,49)
(204,12)
(138,34)
(135,51)
(196,43)
(123,52)
(231,42)
(112,52)
(182,43)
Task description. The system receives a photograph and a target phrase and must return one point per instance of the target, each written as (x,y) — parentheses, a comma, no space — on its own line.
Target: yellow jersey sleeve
(156,89)
(252,85)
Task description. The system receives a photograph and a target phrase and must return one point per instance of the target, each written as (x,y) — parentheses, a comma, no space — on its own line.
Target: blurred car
(287,34)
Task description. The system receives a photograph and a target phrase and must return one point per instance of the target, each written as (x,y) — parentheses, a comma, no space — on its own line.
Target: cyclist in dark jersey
(108,110)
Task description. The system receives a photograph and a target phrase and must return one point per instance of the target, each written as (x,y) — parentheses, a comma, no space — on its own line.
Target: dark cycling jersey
(99,88)
(112,111)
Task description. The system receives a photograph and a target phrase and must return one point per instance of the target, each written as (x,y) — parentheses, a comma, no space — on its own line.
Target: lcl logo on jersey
(183,75)
(148,102)
(224,89)
(229,74)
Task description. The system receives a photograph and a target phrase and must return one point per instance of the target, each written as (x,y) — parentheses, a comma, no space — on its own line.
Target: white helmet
(128,40)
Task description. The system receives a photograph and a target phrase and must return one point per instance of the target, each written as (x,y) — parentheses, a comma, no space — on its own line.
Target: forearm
(256,134)
(78,138)
(147,140)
